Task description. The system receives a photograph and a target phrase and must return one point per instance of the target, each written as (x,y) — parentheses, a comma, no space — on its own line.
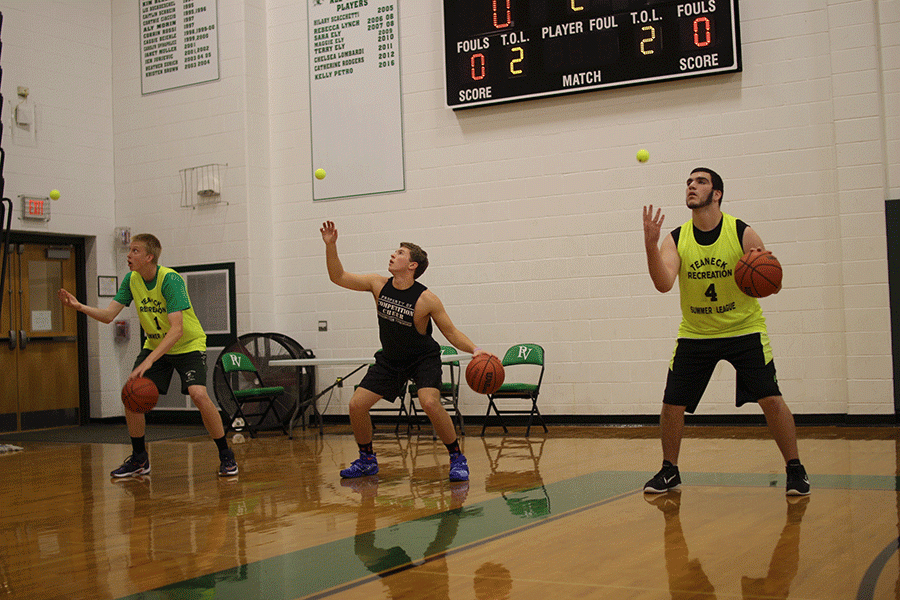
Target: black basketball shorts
(191,367)
(386,378)
(694,361)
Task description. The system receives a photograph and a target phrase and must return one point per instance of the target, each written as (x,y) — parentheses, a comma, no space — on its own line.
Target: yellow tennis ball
(54,194)
(320,173)
(643,155)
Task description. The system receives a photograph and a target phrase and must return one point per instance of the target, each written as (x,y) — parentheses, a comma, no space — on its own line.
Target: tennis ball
(643,155)
(320,173)
(54,194)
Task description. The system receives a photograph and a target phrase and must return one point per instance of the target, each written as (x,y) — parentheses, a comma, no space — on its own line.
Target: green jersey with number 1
(154,300)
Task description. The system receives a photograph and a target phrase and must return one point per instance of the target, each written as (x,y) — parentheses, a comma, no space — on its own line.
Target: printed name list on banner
(355,100)
(179,43)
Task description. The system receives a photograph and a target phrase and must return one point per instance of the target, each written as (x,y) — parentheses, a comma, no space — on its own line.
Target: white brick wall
(530,212)
(61,52)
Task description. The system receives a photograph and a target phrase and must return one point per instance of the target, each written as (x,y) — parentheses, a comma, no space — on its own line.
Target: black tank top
(400,341)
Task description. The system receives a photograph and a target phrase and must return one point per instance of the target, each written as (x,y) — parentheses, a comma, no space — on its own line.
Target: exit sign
(35,208)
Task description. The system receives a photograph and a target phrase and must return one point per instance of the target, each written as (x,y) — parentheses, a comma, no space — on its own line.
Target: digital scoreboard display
(504,50)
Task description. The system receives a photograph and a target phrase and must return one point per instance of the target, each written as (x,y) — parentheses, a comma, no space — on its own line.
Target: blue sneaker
(365,465)
(227,465)
(459,468)
(133,466)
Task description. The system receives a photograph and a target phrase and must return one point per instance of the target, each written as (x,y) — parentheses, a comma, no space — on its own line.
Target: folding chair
(249,393)
(514,386)
(449,389)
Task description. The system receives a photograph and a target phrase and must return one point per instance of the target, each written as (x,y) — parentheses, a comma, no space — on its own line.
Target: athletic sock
(366,448)
(138,446)
(221,443)
(794,462)
(454,447)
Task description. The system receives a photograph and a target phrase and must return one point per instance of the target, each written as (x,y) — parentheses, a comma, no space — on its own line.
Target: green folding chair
(518,384)
(253,401)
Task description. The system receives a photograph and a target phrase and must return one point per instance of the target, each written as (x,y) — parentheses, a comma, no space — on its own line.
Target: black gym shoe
(667,479)
(228,466)
(797,481)
(133,466)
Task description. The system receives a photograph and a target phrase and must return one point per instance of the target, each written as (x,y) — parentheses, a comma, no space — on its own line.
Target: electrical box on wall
(23,117)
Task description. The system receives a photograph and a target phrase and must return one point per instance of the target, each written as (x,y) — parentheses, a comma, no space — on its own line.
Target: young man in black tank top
(406,309)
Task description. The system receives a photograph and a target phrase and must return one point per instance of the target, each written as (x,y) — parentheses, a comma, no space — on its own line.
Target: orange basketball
(140,395)
(485,374)
(758,274)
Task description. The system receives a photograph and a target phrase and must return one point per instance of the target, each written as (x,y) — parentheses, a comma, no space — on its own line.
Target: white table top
(368,360)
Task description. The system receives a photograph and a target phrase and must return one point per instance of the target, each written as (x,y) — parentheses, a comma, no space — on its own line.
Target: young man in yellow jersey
(719,322)
(175,342)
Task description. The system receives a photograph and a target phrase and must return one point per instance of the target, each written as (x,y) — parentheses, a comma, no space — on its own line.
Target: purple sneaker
(459,468)
(365,465)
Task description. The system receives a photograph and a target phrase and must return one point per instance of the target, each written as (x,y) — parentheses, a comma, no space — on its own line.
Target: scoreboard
(505,50)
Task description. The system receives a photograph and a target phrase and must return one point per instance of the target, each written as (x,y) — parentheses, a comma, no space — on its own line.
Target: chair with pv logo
(524,369)
(251,399)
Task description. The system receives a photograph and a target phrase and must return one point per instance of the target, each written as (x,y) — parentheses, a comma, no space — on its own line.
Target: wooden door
(39,344)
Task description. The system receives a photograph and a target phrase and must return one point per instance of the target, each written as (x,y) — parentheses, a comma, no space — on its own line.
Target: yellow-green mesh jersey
(167,294)
(712,305)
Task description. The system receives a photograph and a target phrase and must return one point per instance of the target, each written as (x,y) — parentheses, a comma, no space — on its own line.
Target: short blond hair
(151,243)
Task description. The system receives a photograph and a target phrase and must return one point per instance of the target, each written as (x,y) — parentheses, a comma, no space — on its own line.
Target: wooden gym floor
(559,515)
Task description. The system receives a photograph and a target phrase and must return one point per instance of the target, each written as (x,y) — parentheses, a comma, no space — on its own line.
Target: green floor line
(327,566)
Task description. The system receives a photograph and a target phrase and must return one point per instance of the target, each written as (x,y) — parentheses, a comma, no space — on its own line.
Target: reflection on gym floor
(557,515)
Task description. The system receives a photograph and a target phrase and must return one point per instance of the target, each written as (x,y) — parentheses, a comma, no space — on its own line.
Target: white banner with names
(355,98)
(179,43)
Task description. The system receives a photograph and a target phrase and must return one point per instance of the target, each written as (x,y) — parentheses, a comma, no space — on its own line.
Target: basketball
(758,274)
(485,374)
(140,395)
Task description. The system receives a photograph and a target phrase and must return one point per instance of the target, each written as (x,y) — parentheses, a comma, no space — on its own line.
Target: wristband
(475,350)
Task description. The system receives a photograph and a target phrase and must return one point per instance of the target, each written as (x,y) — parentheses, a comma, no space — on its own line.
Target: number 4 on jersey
(711,293)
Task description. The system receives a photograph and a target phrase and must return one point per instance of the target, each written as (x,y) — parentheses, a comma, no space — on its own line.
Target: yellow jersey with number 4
(712,305)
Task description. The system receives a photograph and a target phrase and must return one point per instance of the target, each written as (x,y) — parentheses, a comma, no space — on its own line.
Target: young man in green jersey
(719,322)
(175,342)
